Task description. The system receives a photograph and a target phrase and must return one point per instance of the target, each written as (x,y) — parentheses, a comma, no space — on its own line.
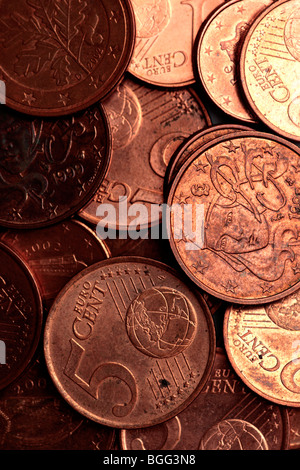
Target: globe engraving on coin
(161,322)
(247,185)
(233,434)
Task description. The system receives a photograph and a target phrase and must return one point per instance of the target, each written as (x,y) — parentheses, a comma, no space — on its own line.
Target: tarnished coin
(194,143)
(244,246)
(262,344)
(59,57)
(294,415)
(20,316)
(33,416)
(50,168)
(166,31)
(218,50)
(147,127)
(128,344)
(55,254)
(226,415)
(270,67)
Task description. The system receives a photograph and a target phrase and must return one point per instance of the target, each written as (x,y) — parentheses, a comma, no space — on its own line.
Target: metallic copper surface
(166,33)
(294,416)
(262,344)
(163,350)
(270,67)
(194,143)
(20,316)
(55,254)
(60,57)
(218,54)
(50,168)
(147,126)
(33,416)
(246,183)
(226,415)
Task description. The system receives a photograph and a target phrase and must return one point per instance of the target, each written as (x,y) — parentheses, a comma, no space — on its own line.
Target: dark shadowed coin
(55,254)
(246,247)
(20,315)
(226,415)
(163,350)
(33,416)
(59,57)
(50,168)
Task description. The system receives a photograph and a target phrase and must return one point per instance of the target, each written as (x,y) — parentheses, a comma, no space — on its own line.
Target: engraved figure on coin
(231,45)
(237,225)
(171,436)
(233,434)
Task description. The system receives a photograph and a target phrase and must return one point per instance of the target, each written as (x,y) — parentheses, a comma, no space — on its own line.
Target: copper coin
(33,416)
(166,33)
(246,247)
(20,316)
(270,65)
(194,143)
(55,254)
(50,168)
(226,415)
(164,350)
(262,344)
(294,415)
(218,54)
(60,57)
(147,126)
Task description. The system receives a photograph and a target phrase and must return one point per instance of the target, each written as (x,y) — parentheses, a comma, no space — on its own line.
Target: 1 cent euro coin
(60,57)
(262,344)
(128,344)
(234,226)
(270,65)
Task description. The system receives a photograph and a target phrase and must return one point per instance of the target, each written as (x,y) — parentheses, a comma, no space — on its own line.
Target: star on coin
(230,286)
(231,147)
(265,288)
(29,98)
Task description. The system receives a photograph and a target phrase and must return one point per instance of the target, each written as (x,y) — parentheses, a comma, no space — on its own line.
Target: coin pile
(114,108)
